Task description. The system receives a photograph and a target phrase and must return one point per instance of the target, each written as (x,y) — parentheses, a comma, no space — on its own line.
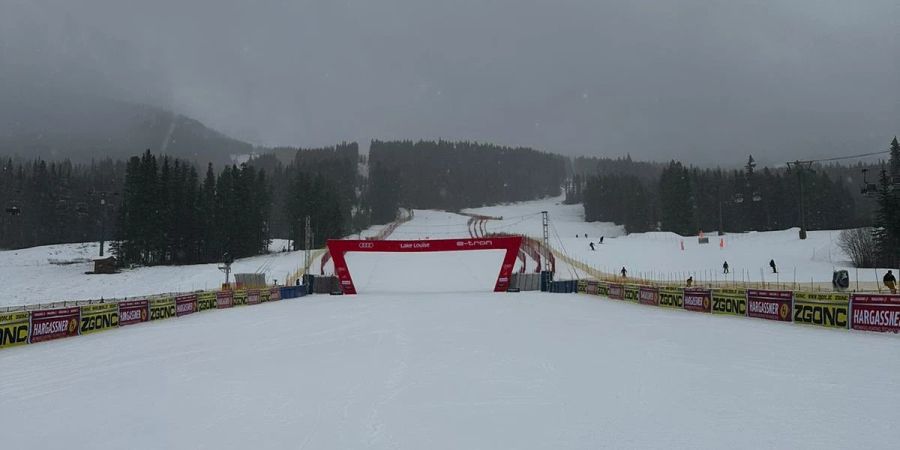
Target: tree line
(686,200)
(455,175)
(169,216)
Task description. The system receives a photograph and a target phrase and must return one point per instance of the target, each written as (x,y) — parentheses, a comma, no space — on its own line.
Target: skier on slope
(725,267)
(624,272)
(690,281)
(592,246)
(772,265)
(890,282)
(601,239)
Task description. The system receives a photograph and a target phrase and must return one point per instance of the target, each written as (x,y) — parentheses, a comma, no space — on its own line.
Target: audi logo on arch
(366,245)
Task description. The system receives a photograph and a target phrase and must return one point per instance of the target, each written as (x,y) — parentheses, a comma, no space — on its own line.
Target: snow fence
(858,311)
(39,323)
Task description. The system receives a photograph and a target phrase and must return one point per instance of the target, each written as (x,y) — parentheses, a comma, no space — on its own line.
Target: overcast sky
(702,81)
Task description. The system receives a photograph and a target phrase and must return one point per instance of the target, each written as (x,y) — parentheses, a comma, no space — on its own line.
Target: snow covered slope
(442,371)
(659,256)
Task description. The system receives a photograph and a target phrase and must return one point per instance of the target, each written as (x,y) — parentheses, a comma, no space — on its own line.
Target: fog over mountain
(702,81)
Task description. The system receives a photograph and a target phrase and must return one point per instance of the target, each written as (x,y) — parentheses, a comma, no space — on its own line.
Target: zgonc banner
(830,310)
(698,300)
(632,293)
(99,317)
(239,298)
(729,301)
(132,312)
(581,287)
(224,299)
(13,328)
(206,300)
(648,295)
(671,297)
(162,308)
(876,312)
(48,324)
(770,305)
(616,291)
(603,289)
(185,304)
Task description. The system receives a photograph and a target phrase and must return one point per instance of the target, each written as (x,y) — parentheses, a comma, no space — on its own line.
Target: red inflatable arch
(338,248)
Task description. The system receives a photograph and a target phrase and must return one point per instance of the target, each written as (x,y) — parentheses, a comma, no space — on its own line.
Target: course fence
(857,311)
(45,322)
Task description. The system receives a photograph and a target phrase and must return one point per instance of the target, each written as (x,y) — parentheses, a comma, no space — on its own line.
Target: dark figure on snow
(592,246)
(890,282)
(690,281)
(725,267)
(772,265)
(624,273)
(601,239)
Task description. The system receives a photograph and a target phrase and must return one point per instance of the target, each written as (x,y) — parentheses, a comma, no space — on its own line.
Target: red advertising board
(185,304)
(274,294)
(698,300)
(873,312)
(132,312)
(649,295)
(770,305)
(592,288)
(224,299)
(616,291)
(50,324)
(253,297)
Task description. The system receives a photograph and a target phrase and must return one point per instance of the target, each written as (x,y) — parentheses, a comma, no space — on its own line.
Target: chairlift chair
(739,198)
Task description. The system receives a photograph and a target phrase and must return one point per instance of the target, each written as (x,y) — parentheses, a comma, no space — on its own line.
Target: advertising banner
(616,291)
(50,324)
(632,293)
(162,308)
(729,301)
(274,294)
(13,328)
(648,295)
(224,299)
(592,288)
(206,300)
(253,297)
(239,298)
(873,312)
(185,304)
(830,310)
(264,295)
(603,289)
(132,312)
(582,287)
(671,297)
(99,317)
(769,305)
(698,300)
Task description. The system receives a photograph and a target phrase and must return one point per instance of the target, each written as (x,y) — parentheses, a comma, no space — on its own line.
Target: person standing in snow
(772,265)
(624,272)
(690,281)
(890,282)
(725,267)
(592,246)
(601,239)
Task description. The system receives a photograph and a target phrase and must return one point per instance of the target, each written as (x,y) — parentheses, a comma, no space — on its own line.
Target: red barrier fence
(876,313)
(698,300)
(48,324)
(770,305)
(135,311)
(185,304)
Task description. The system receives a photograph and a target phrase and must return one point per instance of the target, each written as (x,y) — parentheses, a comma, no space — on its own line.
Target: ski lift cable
(563,247)
(838,158)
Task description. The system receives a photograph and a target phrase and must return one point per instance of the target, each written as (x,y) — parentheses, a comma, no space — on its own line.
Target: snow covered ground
(38,275)
(57,273)
(436,371)
(658,255)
